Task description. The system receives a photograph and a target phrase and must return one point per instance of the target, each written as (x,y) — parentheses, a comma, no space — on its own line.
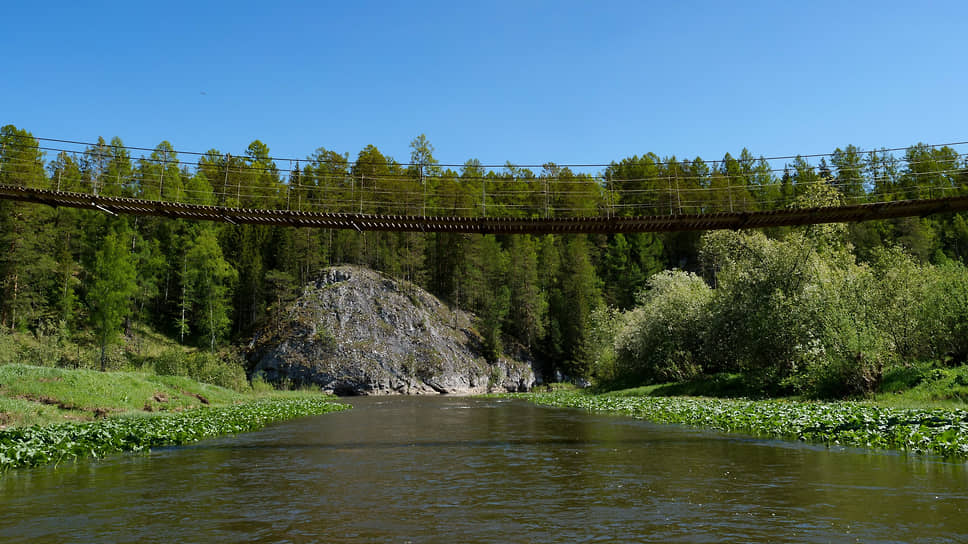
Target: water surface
(438,469)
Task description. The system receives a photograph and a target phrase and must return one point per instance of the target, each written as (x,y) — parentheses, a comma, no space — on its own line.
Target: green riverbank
(942,432)
(52,415)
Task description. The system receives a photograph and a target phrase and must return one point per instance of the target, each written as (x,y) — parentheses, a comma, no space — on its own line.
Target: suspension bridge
(489,225)
(651,196)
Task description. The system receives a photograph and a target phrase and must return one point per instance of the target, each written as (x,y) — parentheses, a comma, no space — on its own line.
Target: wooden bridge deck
(496,225)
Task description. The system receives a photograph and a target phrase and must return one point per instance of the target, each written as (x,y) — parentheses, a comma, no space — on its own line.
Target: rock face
(356,332)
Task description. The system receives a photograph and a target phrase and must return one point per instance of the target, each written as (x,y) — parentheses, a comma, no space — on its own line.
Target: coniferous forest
(827,310)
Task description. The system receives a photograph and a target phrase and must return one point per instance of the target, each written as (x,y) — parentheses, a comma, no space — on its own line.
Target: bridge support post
(546,181)
(161,184)
(678,198)
(225,181)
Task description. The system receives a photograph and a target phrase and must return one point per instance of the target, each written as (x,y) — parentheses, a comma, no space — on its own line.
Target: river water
(439,469)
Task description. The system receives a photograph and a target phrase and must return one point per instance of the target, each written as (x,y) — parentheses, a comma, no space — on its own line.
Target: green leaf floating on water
(35,446)
(940,432)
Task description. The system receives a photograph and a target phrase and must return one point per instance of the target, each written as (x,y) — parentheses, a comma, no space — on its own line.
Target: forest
(824,310)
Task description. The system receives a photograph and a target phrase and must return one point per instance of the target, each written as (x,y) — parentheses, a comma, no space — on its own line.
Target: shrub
(203,367)
(259,384)
(902,302)
(755,317)
(798,313)
(906,376)
(846,354)
(8,348)
(661,338)
(831,378)
(172,362)
(208,368)
(948,299)
(604,326)
(45,346)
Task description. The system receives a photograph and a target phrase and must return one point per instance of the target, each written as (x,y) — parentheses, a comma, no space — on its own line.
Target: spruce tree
(109,295)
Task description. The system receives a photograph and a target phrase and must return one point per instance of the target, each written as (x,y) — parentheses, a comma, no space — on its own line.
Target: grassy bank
(31,395)
(936,431)
(919,385)
(56,378)
(53,414)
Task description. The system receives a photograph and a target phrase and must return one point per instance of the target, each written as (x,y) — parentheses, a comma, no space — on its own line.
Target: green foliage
(486,269)
(8,348)
(605,323)
(907,376)
(555,386)
(324,338)
(901,302)
(281,289)
(661,339)
(109,295)
(209,280)
(44,348)
(529,302)
(846,353)
(948,301)
(722,384)
(29,277)
(209,368)
(628,261)
(580,296)
(822,194)
(85,394)
(172,362)
(799,313)
(205,367)
(260,385)
(755,319)
(940,432)
(924,384)
(35,446)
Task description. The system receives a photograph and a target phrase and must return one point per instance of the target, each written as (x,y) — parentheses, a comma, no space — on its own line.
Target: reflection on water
(443,469)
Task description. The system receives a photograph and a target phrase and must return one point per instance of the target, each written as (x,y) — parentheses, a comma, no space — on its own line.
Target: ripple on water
(484,470)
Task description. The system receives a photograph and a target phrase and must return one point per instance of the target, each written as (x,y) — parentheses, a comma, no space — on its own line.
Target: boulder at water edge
(354,331)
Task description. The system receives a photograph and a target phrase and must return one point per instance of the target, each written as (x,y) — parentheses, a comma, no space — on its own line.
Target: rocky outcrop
(354,331)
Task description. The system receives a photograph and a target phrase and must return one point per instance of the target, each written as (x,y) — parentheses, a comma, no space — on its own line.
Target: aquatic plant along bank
(41,445)
(935,431)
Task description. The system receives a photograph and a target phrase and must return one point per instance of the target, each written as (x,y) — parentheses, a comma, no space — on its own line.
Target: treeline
(78,272)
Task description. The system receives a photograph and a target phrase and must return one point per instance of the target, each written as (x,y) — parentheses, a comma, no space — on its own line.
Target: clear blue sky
(526,82)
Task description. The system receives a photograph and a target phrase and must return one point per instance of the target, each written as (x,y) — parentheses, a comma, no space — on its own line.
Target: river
(445,469)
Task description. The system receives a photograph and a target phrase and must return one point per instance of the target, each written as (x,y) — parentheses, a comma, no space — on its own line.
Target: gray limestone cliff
(354,331)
